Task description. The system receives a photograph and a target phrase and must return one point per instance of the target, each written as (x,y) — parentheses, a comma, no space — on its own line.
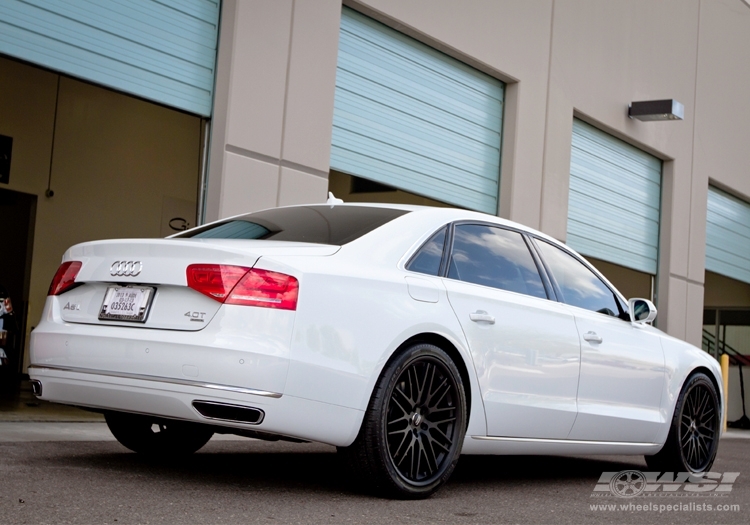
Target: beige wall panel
(312,83)
(676,239)
(251,77)
(672,308)
(722,109)
(509,39)
(696,259)
(694,314)
(258,75)
(297,187)
(249,185)
(219,119)
(556,175)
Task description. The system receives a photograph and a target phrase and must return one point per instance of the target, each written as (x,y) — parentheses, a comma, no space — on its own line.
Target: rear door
(525,347)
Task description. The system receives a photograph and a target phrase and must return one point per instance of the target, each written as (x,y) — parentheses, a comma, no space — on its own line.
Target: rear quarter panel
(355,311)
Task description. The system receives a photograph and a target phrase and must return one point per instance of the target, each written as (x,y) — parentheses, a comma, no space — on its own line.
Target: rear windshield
(335,225)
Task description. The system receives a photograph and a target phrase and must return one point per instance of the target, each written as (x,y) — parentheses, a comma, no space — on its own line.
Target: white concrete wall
(559,58)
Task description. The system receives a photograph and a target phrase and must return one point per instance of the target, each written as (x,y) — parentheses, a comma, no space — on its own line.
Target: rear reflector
(65,278)
(244,286)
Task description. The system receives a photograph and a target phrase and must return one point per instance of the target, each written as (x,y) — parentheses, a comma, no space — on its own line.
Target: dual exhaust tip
(227,412)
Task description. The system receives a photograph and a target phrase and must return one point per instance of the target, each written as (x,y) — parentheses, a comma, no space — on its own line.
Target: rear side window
(494,257)
(325,224)
(427,259)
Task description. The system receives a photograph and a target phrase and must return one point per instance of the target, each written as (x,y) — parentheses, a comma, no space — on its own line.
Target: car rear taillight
(214,280)
(267,289)
(65,278)
(244,286)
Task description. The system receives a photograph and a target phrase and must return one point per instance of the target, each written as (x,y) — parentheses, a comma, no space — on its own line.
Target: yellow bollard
(724,360)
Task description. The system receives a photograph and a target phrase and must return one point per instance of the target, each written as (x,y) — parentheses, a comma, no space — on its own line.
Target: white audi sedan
(403,335)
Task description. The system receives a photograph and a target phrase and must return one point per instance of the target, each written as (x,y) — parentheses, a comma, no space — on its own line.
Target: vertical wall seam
(692,156)
(286,102)
(49,193)
(546,117)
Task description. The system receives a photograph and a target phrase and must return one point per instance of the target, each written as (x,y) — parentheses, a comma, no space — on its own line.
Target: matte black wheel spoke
(404,405)
(434,442)
(422,385)
(430,455)
(437,418)
(430,401)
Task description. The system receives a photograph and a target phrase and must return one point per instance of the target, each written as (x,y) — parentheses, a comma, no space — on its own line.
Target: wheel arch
(714,381)
(450,349)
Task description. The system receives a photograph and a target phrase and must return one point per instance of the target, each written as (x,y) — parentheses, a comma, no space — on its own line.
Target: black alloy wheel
(698,427)
(414,428)
(157,437)
(693,438)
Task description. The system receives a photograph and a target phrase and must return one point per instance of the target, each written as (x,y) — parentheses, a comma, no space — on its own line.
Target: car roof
(449,213)
(438,212)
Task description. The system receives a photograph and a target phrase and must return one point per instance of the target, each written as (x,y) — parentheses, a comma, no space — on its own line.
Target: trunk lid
(157,268)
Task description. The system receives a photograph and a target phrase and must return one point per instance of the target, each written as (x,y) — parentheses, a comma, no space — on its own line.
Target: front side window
(579,286)
(494,257)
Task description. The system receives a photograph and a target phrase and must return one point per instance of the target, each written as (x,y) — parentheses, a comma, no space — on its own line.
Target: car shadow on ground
(312,467)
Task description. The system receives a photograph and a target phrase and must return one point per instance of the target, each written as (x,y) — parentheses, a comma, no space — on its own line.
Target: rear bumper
(166,397)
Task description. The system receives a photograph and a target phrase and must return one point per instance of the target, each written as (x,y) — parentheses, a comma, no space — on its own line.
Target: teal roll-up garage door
(411,117)
(728,235)
(163,50)
(615,195)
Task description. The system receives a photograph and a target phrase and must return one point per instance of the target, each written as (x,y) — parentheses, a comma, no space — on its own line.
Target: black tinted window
(315,224)
(494,257)
(427,260)
(579,286)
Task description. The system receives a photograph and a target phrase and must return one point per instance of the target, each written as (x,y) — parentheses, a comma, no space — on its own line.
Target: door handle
(480,316)
(592,337)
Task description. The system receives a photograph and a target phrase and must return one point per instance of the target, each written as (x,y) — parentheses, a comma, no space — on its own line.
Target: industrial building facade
(146,117)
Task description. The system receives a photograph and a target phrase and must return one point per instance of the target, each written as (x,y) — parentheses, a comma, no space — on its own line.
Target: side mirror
(641,311)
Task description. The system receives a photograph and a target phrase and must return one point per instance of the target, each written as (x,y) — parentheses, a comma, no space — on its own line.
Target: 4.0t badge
(196,316)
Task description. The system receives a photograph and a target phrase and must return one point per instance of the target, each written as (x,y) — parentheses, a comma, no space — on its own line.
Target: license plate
(126,303)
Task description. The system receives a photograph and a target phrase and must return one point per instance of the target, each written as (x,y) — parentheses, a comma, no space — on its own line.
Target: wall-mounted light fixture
(647,110)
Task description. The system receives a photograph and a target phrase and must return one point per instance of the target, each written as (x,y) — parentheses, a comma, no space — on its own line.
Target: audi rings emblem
(126,268)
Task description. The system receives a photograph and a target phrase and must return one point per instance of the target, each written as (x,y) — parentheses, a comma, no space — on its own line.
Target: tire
(693,438)
(157,437)
(412,435)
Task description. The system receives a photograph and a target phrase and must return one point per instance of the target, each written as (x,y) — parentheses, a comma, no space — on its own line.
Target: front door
(622,365)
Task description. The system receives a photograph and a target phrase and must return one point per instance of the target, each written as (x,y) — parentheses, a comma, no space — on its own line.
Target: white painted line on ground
(736,434)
